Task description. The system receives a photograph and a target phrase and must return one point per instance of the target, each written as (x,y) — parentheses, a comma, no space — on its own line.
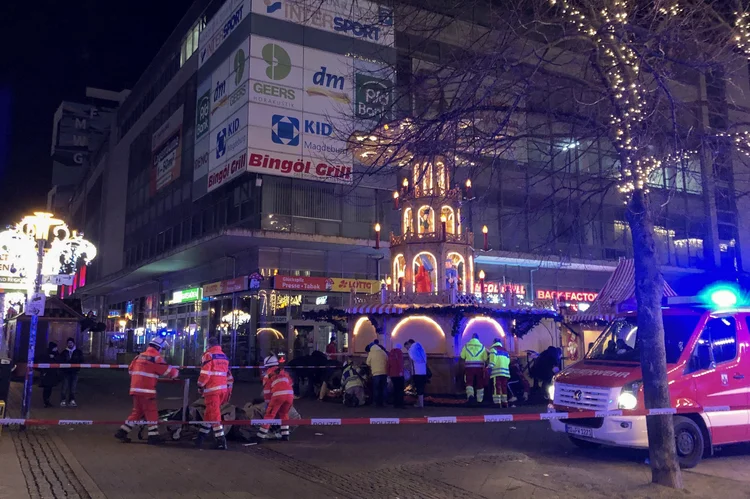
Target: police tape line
(486,418)
(125,366)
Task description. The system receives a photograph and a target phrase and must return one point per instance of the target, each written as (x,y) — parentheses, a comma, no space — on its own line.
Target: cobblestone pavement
(513,460)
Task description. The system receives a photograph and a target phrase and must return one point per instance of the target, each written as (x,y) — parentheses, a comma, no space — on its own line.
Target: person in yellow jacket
(499,373)
(475,358)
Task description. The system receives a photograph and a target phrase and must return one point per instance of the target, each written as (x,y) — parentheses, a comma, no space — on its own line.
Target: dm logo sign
(285,130)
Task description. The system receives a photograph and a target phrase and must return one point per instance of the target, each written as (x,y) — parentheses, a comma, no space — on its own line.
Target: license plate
(578,431)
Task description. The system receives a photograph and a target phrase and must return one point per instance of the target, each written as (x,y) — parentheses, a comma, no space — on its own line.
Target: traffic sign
(35,305)
(58,280)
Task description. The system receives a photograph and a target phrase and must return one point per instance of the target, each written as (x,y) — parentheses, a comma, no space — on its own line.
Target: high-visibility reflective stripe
(215,388)
(148,375)
(474,364)
(142,390)
(283,380)
(213,373)
(284,392)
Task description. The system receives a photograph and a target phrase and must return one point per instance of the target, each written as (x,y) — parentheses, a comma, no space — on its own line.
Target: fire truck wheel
(584,444)
(689,441)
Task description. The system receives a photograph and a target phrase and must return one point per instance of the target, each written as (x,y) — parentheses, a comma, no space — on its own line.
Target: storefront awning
(377,309)
(619,288)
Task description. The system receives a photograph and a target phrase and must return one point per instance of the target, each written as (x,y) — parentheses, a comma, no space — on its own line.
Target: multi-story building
(229,157)
(78,129)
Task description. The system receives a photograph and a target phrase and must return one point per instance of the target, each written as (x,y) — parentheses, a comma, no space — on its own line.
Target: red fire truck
(708,364)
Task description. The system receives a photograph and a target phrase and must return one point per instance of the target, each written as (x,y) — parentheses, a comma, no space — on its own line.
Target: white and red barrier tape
(125,366)
(485,418)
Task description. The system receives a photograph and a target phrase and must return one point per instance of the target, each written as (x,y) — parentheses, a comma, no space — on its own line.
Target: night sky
(50,51)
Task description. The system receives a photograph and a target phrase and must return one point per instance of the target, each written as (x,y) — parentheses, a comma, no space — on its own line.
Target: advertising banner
(276,73)
(225,287)
(345,285)
(362,20)
(302,283)
(166,152)
(566,295)
(221,25)
(203,109)
(332,284)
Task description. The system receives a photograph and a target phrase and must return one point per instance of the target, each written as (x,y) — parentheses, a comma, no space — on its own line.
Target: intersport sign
(361,19)
(220,26)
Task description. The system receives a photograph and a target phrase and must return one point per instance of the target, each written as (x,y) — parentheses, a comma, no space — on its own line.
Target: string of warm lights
(608,32)
(742,36)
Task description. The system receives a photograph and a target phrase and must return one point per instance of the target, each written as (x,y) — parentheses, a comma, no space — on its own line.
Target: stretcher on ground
(229,412)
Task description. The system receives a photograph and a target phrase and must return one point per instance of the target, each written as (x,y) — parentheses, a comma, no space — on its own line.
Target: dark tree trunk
(649,288)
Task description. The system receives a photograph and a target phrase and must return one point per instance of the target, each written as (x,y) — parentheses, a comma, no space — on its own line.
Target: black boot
(155,440)
(221,443)
(122,436)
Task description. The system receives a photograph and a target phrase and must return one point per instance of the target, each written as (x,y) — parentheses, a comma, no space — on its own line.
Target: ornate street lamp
(65,252)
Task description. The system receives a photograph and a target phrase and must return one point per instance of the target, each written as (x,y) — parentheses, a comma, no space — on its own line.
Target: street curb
(87,482)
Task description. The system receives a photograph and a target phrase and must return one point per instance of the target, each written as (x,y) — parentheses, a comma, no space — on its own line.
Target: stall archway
(363,334)
(423,329)
(488,330)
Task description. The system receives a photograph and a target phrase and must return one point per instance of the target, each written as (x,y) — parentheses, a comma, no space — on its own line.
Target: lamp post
(64,253)
(38,227)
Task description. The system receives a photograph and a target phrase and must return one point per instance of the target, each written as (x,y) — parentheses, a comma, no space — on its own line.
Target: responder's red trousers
(144,408)
(213,407)
(278,408)
(475,376)
(500,390)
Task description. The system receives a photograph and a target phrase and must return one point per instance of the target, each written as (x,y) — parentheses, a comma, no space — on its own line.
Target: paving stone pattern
(47,474)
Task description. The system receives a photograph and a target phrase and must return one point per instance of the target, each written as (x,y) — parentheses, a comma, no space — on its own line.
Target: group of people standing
(395,364)
(50,378)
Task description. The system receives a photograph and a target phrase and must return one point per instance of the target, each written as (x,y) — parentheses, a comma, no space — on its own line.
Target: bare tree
(486,94)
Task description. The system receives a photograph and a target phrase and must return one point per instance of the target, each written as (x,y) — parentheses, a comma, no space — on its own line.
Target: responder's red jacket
(215,374)
(276,383)
(145,371)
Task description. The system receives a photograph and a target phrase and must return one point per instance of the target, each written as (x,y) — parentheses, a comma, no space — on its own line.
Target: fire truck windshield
(620,340)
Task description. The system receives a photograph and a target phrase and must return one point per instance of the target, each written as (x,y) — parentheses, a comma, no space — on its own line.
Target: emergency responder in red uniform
(215,384)
(145,371)
(278,392)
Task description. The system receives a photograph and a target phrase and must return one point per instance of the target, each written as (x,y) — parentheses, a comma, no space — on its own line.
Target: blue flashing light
(723,298)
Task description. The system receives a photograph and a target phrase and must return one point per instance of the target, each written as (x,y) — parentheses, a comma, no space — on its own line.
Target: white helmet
(159,342)
(271,361)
